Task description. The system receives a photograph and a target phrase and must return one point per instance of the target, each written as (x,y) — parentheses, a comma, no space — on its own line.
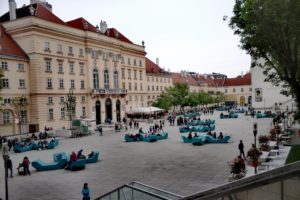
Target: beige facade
(239,94)
(89,63)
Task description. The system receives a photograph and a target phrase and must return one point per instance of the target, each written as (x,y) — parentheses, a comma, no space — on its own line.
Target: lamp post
(5,158)
(255,151)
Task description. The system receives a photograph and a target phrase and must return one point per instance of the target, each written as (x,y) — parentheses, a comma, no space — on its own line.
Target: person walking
(241,149)
(25,165)
(10,166)
(100,130)
(85,192)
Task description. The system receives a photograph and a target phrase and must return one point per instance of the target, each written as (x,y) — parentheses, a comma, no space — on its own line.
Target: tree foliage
(270,30)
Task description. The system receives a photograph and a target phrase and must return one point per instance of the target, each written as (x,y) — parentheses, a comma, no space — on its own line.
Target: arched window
(95,79)
(116,80)
(106,79)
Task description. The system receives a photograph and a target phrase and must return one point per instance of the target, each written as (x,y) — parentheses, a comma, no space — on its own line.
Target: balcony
(107,92)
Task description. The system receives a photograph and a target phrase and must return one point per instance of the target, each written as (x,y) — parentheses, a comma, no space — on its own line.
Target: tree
(163,101)
(178,93)
(70,105)
(270,29)
(19,104)
(219,97)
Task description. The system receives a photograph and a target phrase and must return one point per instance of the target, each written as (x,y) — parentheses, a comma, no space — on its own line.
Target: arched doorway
(118,110)
(108,110)
(249,100)
(242,100)
(98,112)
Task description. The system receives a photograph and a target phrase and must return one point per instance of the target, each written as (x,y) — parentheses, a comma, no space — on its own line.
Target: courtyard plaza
(169,164)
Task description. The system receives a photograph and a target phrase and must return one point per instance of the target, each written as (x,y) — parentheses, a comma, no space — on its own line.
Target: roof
(40,12)
(153,68)
(80,23)
(112,32)
(9,47)
(239,80)
(180,78)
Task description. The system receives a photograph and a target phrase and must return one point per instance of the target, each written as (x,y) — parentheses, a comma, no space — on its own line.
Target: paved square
(168,164)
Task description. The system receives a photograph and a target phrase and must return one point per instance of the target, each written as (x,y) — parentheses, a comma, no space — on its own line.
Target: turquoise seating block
(35,146)
(163,136)
(59,156)
(210,139)
(230,115)
(130,139)
(19,149)
(185,139)
(77,165)
(39,165)
(196,114)
(198,140)
(52,144)
(93,159)
(264,115)
(150,138)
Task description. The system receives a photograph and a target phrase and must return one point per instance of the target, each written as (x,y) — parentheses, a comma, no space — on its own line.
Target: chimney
(44,3)
(157,61)
(12,9)
(103,26)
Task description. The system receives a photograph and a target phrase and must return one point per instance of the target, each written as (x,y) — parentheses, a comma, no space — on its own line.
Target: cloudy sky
(185,35)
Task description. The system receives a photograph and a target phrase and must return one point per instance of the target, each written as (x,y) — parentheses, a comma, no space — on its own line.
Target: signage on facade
(258,94)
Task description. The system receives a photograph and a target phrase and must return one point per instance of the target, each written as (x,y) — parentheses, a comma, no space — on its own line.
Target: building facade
(99,66)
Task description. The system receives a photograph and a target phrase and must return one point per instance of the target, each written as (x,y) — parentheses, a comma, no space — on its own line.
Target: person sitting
(79,154)
(195,135)
(214,135)
(209,133)
(220,137)
(190,136)
(141,130)
(91,154)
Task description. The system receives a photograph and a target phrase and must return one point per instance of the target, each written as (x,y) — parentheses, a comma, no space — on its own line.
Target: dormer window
(47,46)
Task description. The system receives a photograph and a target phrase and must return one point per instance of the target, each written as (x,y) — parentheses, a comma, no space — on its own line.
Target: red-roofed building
(105,70)
(185,77)
(158,80)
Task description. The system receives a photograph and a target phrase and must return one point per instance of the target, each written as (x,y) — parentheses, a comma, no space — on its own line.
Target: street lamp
(255,151)
(5,158)
(255,132)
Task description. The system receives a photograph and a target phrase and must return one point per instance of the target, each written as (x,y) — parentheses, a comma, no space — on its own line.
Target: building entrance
(108,110)
(98,112)
(118,110)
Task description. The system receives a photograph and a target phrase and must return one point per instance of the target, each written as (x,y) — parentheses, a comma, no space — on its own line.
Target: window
(129,73)
(164,80)
(136,98)
(7,101)
(156,79)
(48,66)
(152,79)
(152,88)
(153,97)
(226,91)
(149,97)
(242,89)
(106,79)
(82,84)
(122,60)
(141,87)
(59,48)
(233,90)
(123,73)
(61,83)
(83,99)
(62,113)
(47,46)
(141,75)
(157,88)
(49,83)
(128,61)
(4,66)
(50,114)
(134,62)
(83,111)
(71,68)
(22,83)
(135,86)
(161,80)
(142,99)
(5,83)
(148,87)
(129,86)
(81,52)
(124,85)
(60,68)
(130,98)
(116,80)
(70,51)
(140,63)
(21,67)
(23,114)
(148,79)
(62,100)
(50,100)
(81,65)
(250,89)
(95,79)
(161,88)
(72,84)
(6,117)
(134,75)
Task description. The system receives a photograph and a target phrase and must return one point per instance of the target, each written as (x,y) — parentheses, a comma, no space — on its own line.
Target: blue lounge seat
(185,139)
(19,149)
(198,140)
(39,165)
(93,159)
(59,156)
(52,144)
(77,165)
(163,136)
(131,139)
(210,139)
(150,138)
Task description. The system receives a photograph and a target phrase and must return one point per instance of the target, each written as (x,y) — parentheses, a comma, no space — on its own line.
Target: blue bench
(77,165)
(133,139)
(93,159)
(40,165)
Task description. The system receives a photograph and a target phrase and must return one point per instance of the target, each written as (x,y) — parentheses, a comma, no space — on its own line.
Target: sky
(185,35)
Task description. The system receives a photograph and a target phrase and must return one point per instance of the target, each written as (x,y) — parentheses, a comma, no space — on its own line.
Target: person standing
(85,192)
(241,149)
(25,164)
(10,166)
(100,130)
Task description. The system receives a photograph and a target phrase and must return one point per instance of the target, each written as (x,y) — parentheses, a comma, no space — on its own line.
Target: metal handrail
(170,193)
(134,188)
(271,176)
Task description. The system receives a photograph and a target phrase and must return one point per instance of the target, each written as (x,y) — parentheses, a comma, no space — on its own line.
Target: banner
(258,94)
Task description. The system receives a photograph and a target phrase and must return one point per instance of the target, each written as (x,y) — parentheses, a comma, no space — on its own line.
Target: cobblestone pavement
(168,164)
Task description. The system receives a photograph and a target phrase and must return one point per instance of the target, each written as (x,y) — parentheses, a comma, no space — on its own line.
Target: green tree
(70,105)
(270,29)
(179,94)
(219,98)
(163,101)
(19,104)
